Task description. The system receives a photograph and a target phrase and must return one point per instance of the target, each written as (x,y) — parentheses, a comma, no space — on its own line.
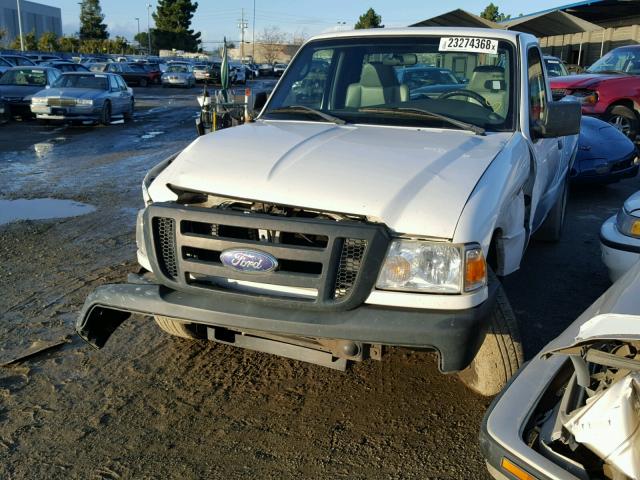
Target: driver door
(547,152)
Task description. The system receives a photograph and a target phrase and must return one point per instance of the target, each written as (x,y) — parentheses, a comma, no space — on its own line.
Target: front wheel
(500,355)
(105,115)
(143,82)
(625,120)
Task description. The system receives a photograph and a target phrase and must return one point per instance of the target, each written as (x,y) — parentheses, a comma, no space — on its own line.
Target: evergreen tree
(48,42)
(173,19)
(91,21)
(492,12)
(370,19)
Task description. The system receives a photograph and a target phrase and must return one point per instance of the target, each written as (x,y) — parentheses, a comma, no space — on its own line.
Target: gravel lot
(152,406)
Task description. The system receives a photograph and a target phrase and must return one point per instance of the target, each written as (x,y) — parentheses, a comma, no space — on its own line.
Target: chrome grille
(61,102)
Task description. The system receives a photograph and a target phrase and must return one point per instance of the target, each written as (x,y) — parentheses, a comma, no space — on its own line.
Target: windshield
(622,60)
(376,80)
(555,68)
(28,77)
(95,82)
(177,69)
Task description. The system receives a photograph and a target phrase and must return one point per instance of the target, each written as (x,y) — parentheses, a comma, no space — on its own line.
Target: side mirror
(259,101)
(561,119)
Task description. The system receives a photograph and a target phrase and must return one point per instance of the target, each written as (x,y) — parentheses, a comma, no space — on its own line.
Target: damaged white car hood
(416,181)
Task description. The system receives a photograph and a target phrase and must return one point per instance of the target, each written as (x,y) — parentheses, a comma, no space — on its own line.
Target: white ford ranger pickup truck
(391,177)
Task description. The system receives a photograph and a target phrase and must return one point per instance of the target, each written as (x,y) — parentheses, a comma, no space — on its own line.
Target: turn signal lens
(515,470)
(628,223)
(635,228)
(475,270)
(397,270)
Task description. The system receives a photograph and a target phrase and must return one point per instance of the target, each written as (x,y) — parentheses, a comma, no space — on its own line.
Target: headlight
(432,267)
(38,100)
(628,223)
(586,97)
(82,101)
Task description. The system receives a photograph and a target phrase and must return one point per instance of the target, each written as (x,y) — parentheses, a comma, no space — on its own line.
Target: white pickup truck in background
(392,176)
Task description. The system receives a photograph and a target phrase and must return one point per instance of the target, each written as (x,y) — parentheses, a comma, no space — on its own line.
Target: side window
(121,83)
(537,87)
(113,83)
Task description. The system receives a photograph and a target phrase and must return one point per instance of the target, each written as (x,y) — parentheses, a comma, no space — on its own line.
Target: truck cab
(355,214)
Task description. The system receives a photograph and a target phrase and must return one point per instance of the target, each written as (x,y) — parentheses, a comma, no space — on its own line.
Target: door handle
(560,144)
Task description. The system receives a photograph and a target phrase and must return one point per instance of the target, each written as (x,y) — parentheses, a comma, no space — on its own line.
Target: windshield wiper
(425,113)
(304,109)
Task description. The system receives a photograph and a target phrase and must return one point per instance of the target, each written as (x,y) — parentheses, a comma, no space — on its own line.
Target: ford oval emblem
(248,261)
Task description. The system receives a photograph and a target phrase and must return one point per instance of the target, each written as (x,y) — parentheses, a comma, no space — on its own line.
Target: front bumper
(503,424)
(604,170)
(65,113)
(619,252)
(454,335)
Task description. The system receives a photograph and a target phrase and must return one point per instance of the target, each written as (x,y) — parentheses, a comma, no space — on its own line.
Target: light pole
(253,35)
(20,27)
(149,27)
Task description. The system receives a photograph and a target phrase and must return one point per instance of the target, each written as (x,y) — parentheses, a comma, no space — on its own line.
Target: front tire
(500,355)
(105,115)
(624,119)
(143,82)
(175,327)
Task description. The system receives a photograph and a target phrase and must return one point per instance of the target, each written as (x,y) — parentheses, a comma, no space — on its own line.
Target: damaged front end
(589,424)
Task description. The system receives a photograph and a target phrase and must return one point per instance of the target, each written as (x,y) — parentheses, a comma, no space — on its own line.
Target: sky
(216,19)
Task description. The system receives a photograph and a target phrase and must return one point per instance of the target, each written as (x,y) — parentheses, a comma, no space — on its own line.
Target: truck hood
(585,80)
(416,181)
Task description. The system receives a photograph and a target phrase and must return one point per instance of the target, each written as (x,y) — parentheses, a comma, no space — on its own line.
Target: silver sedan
(179,75)
(84,97)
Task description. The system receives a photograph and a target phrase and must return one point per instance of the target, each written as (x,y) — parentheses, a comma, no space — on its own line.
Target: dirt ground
(152,406)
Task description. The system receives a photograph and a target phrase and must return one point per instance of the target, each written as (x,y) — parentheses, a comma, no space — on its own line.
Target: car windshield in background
(620,60)
(27,76)
(400,81)
(555,68)
(134,67)
(177,69)
(94,82)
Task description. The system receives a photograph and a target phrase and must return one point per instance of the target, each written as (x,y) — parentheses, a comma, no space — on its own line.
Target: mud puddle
(41,209)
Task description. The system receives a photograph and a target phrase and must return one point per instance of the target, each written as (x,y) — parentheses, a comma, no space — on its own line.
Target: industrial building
(578,33)
(36,17)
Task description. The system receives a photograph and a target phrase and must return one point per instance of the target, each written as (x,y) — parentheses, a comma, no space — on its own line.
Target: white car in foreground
(620,238)
(574,411)
(352,215)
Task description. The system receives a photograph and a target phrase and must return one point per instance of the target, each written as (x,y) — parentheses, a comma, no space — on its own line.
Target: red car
(609,89)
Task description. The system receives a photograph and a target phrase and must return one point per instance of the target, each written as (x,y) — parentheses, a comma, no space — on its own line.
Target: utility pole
(253,35)
(137,19)
(242,25)
(149,27)
(20,27)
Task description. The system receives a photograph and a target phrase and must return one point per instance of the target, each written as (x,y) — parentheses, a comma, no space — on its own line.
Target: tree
(68,44)
(30,42)
(173,19)
(271,41)
(48,42)
(370,19)
(492,13)
(91,21)
(3,33)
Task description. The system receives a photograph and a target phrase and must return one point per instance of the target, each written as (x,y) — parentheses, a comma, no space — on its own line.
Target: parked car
(16,60)
(84,96)
(178,74)
(620,238)
(252,71)
(4,65)
(265,69)
(64,66)
(572,412)
(609,89)
(5,115)
(154,69)
(360,217)
(555,66)
(428,81)
(18,84)
(605,154)
(279,68)
(202,72)
(132,73)
(37,58)
(237,74)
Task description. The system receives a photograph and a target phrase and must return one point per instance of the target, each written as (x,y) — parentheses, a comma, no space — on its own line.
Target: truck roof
(508,35)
